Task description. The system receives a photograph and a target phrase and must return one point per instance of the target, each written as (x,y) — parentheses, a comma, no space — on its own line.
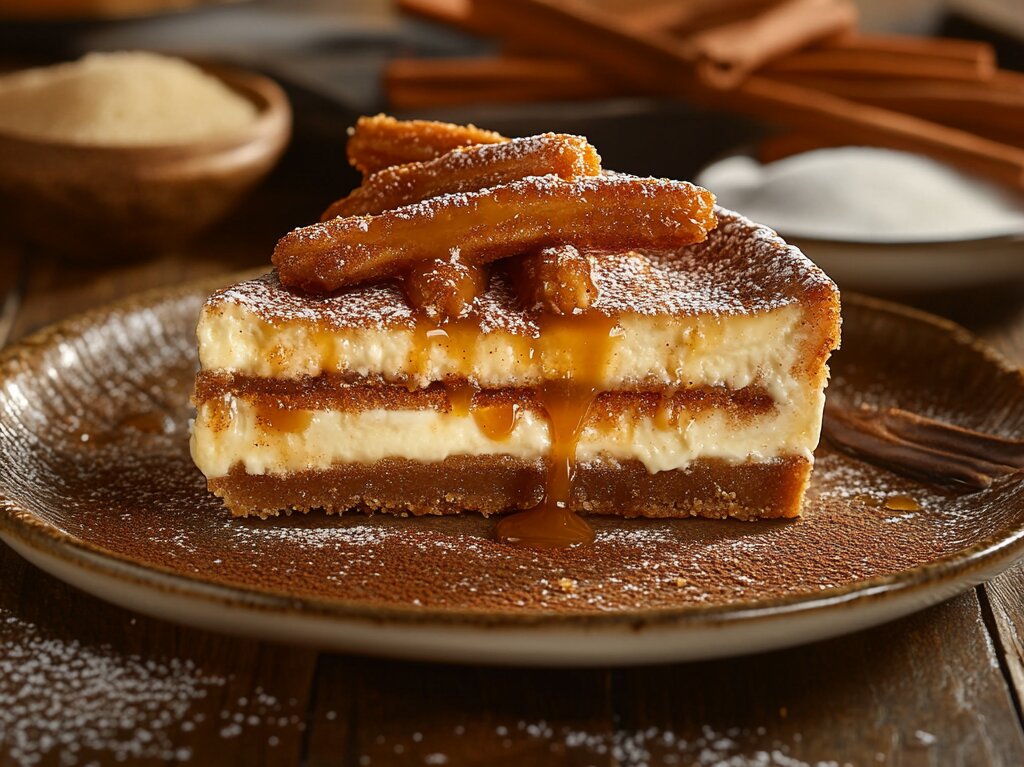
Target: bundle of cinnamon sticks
(800,64)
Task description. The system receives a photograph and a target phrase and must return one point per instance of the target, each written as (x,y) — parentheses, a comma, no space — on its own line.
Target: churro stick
(556,280)
(603,212)
(467,169)
(382,141)
(444,288)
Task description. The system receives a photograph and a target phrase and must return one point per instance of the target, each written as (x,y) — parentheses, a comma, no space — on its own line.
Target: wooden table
(83,682)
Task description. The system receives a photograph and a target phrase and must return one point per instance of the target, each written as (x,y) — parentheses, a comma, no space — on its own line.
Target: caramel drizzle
(913,444)
(583,344)
(573,351)
(497,420)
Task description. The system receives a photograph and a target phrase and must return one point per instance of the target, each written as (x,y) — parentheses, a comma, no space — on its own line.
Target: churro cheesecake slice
(700,379)
(636,352)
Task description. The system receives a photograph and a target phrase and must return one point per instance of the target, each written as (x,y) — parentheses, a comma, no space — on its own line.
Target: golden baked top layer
(742,268)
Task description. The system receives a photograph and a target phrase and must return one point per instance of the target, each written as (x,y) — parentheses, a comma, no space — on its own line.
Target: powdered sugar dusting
(70,702)
(375,306)
(73,698)
(515,740)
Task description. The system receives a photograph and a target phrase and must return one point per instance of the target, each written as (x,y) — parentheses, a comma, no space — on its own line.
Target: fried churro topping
(599,213)
(382,141)
(469,169)
(418,160)
(445,288)
(556,280)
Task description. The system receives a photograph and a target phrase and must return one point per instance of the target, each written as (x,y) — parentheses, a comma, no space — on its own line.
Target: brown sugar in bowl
(120,202)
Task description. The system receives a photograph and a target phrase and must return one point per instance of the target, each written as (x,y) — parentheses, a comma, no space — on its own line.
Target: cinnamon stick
(690,16)
(913,444)
(648,61)
(727,54)
(897,57)
(652,62)
(983,108)
(981,54)
(837,118)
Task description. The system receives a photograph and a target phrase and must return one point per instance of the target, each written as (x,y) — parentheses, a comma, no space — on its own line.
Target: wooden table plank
(924,690)
(1005,594)
(117,683)
(420,713)
(921,691)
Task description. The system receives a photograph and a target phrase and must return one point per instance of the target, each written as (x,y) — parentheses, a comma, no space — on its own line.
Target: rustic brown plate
(99,490)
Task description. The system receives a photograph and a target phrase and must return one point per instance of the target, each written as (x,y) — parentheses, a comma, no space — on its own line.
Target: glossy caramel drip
(573,350)
(496,420)
(576,350)
(281,419)
(902,502)
(460,395)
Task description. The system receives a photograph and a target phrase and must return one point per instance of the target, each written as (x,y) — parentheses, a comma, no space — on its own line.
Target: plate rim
(989,555)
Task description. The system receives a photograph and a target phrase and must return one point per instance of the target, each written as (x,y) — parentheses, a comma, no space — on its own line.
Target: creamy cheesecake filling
(732,351)
(318,439)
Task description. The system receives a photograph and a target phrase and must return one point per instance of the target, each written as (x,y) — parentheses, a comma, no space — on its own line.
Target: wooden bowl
(115,202)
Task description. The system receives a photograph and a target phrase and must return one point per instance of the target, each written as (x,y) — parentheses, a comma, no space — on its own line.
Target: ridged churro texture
(446,288)
(557,280)
(382,141)
(469,169)
(605,212)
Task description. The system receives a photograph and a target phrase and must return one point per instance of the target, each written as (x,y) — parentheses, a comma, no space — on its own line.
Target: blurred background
(885,138)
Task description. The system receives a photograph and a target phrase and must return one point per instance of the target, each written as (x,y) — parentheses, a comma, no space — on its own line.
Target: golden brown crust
(382,141)
(606,212)
(494,484)
(468,169)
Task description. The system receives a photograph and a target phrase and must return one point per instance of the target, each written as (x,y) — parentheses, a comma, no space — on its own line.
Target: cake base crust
(494,484)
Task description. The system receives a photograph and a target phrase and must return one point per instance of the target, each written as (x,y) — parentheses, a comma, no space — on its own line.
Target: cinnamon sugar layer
(350,394)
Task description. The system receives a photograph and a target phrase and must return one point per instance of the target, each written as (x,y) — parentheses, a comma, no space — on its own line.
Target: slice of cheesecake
(692,386)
